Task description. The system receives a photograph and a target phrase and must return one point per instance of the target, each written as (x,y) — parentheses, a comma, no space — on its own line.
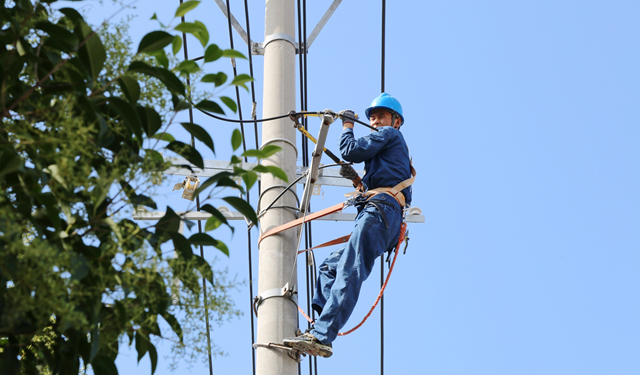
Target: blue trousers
(341,275)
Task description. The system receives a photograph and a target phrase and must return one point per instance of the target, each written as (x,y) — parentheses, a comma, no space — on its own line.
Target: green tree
(80,143)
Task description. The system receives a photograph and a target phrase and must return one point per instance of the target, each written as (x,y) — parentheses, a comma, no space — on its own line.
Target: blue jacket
(385,156)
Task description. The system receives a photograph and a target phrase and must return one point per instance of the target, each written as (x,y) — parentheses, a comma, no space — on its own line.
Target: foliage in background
(80,143)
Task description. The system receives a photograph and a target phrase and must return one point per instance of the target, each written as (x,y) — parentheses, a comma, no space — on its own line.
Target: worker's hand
(347,116)
(348,172)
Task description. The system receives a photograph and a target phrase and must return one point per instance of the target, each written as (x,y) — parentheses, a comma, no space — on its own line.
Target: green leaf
(249,178)
(130,88)
(199,132)
(229,103)
(241,79)
(170,222)
(154,155)
(179,104)
(164,137)
(143,200)
(150,119)
(184,8)
(142,345)
(197,29)
(129,115)
(202,239)
(243,207)
(236,139)
(95,342)
(20,48)
(212,223)
(103,365)
(209,106)
(188,67)
(212,53)
(92,52)
(203,36)
(174,324)
(275,171)
(204,268)
(233,53)
(60,38)
(176,44)
(161,57)
(155,40)
(79,267)
(169,79)
(212,180)
(10,163)
(181,245)
(219,79)
(264,153)
(223,247)
(72,15)
(187,152)
(153,356)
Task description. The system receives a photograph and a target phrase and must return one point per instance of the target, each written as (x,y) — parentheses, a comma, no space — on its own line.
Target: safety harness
(356,195)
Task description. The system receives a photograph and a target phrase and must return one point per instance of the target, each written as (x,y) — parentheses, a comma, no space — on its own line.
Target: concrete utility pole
(277,317)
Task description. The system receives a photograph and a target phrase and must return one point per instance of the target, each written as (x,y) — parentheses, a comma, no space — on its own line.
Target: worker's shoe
(308,343)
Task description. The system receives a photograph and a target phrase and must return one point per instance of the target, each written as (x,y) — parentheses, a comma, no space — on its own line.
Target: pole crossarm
(413,216)
(326,176)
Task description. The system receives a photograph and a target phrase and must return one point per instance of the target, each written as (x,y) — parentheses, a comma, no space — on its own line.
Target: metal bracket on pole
(258,48)
(286,291)
(293,353)
(322,22)
(234,22)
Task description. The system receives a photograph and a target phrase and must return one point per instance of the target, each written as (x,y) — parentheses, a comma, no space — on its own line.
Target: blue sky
(523,119)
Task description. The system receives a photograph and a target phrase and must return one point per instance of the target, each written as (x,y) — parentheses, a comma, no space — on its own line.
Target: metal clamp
(258,48)
(286,292)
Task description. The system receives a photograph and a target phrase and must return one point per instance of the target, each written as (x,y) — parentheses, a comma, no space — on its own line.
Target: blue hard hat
(387,102)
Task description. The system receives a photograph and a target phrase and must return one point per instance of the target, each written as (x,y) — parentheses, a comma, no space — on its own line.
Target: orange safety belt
(302,220)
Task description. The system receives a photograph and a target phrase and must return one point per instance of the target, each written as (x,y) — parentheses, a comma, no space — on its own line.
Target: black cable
(204,279)
(382,64)
(244,149)
(306,126)
(255,125)
(278,118)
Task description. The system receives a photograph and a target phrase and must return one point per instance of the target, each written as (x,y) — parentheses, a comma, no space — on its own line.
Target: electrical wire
(302,113)
(382,80)
(244,149)
(204,280)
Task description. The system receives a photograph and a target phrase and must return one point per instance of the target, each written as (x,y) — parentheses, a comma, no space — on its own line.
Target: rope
(403,230)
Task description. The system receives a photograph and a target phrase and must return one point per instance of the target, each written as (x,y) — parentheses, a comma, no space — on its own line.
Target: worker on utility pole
(383,195)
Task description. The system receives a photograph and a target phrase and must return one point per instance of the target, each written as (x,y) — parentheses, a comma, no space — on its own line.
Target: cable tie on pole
(253,110)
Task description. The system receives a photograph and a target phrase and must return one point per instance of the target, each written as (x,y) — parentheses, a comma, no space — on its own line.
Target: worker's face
(379,118)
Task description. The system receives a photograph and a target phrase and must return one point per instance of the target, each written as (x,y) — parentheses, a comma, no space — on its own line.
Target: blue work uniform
(341,275)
